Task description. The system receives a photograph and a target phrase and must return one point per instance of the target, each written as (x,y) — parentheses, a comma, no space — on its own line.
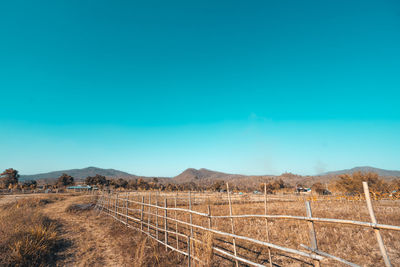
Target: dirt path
(90,244)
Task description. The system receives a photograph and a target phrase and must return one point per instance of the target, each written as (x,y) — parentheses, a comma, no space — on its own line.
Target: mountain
(205,176)
(79,174)
(380,172)
(208,176)
(193,175)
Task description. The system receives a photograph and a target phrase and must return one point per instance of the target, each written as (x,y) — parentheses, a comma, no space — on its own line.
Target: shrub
(352,184)
(77,208)
(65,180)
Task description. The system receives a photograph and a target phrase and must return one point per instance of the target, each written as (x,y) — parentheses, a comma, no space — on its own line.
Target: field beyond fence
(259,230)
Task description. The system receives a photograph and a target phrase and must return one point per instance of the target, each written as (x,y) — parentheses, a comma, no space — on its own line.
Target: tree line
(346,183)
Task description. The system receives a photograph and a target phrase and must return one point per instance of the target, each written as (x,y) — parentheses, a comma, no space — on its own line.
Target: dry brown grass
(102,241)
(204,250)
(28,238)
(136,249)
(140,253)
(353,243)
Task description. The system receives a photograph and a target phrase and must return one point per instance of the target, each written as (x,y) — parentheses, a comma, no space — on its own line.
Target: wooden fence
(161,222)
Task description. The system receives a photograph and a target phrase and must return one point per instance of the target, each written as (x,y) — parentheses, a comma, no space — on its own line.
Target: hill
(206,176)
(201,175)
(380,172)
(79,174)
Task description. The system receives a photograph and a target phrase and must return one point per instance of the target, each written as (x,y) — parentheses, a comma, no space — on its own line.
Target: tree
(319,188)
(142,184)
(217,186)
(272,186)
(29,184)
(352,184)
(65,180)
(121,183)
(9,177)
(96,180)
(395,185)
(132,184)
(269,186)
(171,187)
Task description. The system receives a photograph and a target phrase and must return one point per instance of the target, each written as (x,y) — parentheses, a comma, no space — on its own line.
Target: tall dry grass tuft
(140,253)
(208,240)
(33,248)
(204,249)
(28,238)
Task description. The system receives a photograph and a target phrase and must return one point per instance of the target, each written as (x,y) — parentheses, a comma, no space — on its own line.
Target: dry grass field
(66,230)
(28,236)
(353,243)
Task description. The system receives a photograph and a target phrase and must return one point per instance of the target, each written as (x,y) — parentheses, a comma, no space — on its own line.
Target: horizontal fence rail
(301,218)
(183,236)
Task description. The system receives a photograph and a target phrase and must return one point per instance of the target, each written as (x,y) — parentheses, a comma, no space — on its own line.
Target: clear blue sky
(154,87)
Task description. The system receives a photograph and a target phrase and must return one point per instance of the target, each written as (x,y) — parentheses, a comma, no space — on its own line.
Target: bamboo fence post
(232,223)
(114,197)
(157,216)
(266,223)
(376,230)
(123,205)
(188,249)
(166,223)
(116,205)
(190,214)
(141,213)
(313,236)
(191,220)
(119,207)
(108,202)
(148,215)
(103,202)
(126,207)
(97,205)
(209,220)
(99,202)
(176,227)
(209,214)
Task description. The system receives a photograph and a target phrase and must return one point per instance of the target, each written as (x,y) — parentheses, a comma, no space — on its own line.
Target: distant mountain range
(79,174)
(192,175)
(380,172)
